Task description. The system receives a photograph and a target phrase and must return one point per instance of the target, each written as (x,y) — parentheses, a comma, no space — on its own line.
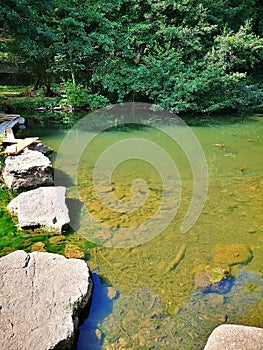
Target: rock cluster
(42,206)
(42,296)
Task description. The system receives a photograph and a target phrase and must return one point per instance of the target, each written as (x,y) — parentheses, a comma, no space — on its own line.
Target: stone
(38,247)
(232,254)
(28,170)
(40,147)
(73,251)
(42,296)
(98,333)
(43,207)
(211,279)
(235,337)
(112,292)
(57,239)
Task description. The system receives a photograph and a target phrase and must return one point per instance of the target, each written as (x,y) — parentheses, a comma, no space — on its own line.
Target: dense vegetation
(185,55)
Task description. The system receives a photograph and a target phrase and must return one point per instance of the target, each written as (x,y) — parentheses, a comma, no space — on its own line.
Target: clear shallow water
(157,307)
(101,306)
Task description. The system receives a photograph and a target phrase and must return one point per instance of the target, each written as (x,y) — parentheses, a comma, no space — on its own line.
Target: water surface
(157,307)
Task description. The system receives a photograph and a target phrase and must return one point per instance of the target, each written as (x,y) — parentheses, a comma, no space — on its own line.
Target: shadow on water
(138,116)
(101,306)
(74,208)
(63,179)
(221,287)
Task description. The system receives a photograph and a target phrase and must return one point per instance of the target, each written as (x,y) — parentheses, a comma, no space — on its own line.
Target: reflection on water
(158,306)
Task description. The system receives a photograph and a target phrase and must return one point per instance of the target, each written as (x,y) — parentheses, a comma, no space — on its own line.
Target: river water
(146,291)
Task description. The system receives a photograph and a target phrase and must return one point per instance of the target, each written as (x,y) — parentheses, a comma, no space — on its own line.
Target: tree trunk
(73,78)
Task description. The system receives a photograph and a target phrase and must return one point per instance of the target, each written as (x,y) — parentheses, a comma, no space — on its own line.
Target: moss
(56,249)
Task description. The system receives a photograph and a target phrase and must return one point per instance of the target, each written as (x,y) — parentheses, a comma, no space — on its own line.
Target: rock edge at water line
(235,337)
(41,297)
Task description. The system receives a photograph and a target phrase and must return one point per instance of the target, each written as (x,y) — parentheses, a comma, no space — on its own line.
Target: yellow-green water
(157,306)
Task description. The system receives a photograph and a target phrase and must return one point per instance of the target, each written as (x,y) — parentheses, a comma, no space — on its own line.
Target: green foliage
(1,147)
(11,91)
(241,51)
(2,157)
(18,104)
(79,96)
(185,55)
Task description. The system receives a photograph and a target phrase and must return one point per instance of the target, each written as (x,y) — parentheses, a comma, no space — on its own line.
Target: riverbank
(24,98)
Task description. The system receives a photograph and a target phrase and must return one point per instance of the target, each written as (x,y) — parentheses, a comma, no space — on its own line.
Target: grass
(13,238)
(7,91)
(17,98)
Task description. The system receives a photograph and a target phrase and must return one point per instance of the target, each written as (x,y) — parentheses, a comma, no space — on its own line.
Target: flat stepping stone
(41,297)
(43,207)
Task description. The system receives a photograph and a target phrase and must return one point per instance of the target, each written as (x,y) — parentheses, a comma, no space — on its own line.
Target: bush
(80,96)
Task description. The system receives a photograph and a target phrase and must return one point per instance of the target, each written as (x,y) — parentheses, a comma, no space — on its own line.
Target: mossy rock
(38,247)
(206,276)
(232,254)
(57,239)
(112,292)
(73,251)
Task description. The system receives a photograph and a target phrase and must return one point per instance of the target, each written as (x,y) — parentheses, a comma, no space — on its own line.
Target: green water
(157,305)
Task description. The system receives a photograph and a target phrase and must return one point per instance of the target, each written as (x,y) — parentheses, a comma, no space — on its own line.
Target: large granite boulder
(41,298)
(43,207)
(28,170)
(235,337)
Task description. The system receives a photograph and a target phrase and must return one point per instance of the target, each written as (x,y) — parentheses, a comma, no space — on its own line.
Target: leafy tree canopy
(198,55)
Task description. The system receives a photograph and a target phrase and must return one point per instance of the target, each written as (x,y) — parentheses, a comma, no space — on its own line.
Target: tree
(184,55)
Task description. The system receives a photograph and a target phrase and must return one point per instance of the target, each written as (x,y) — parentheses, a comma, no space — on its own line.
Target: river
(146,294)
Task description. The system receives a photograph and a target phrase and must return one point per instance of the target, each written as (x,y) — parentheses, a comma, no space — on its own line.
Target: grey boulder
(43,207)
(28,170)
(40,147)
(41,298)
(235,337)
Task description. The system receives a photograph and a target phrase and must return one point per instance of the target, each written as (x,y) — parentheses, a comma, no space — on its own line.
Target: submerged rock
(43,207)
(42,296)
(28,170)
(38,247)
(73,251)
(210,279)
(235,337)
(232,254)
